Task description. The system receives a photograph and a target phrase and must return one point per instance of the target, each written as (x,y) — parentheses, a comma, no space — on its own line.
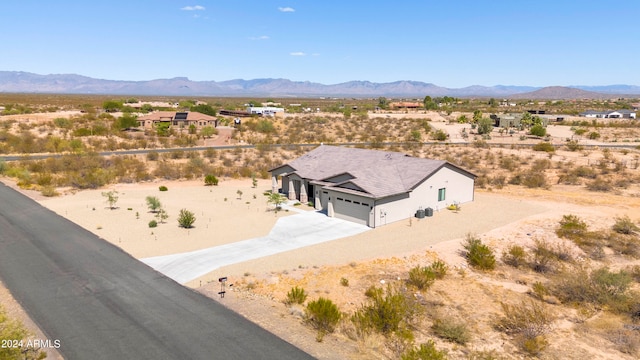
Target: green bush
(600,287)
(439,268)
(323,315)
(186,218)
(479,255)
(421,277)
(210,180)
(451,330)
(544,146)
(426,351)
(153,223)
(538,130)
(572,227)
(296,295)
(385,311)
(163,188)
(515,256)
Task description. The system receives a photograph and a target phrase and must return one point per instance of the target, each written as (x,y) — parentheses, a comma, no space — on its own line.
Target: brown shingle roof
(170,115)
(378,173)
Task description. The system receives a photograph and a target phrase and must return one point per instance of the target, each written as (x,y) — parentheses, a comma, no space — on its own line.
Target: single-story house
(372,187)
(617,114)
(264,110)
(180,119)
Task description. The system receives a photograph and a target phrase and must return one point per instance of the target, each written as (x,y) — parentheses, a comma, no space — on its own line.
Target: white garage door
(352,210)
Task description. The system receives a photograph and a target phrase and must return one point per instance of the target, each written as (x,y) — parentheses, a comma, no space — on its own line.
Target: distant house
(617,114)
(179,119)
(372,187)
(405,105)
(264,110)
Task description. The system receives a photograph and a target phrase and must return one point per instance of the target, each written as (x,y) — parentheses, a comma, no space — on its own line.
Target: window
(442,194)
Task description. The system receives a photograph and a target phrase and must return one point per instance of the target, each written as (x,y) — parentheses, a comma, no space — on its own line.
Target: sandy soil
(512,215)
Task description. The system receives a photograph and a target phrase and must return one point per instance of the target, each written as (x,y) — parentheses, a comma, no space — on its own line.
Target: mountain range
(25,82)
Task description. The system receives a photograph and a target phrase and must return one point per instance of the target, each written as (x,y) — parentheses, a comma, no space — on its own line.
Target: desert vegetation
(576,285)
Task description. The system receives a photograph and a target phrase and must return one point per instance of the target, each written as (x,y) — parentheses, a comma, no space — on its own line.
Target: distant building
(179,119)
(264,110)
(617,114)
(405,105)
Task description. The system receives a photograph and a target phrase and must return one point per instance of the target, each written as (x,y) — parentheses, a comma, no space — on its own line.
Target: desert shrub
(344,281)
(624,244)
(186,218)
(546,256)
(426,351)
(153,224)
(451,330)
(600,184)
(585,172)
(508,163)
(573,145)
(515,256)
(14,330)
(624,225)
(544,146)
(439,135)
(538,130)
(594,135)
(479,255)
(323,315)
(529,319)
(385,311)
(49,191)
(600,287)
(634,272)
(626,340)
(210,179)
(534,179)
(535,345)
(421,277)
(296,295)
(439,268)
(152,156)
(572,227)
(163,188)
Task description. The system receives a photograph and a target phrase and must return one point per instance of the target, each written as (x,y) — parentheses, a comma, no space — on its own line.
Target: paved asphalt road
(101,303)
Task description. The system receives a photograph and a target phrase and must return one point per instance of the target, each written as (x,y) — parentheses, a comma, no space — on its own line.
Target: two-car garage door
(353,210)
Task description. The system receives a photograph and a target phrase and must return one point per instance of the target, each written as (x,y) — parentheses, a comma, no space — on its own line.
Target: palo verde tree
(111,198)
(153,203)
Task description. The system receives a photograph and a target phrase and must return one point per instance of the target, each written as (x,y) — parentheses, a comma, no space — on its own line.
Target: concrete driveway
(291,232)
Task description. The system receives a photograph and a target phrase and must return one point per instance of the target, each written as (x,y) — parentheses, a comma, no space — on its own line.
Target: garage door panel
(351,211)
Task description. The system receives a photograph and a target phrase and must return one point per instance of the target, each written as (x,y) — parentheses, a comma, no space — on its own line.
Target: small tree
(485,126)
(208,131)
(186,218)
(538,130)
(162,215)
(277,200)
(112,198)
(239,192)
(153,203)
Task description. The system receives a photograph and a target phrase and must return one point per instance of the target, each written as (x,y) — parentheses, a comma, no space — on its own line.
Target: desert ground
(258,287)
(502,215)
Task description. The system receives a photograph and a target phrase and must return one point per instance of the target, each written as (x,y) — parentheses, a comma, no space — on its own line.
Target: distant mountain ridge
(25,82)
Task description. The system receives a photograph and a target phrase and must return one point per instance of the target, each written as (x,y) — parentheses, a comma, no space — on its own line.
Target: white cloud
(263,37)
(286,9)
(297,53)
(193,8)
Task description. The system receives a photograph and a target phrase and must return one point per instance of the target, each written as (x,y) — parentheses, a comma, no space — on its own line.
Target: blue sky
(451,44)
